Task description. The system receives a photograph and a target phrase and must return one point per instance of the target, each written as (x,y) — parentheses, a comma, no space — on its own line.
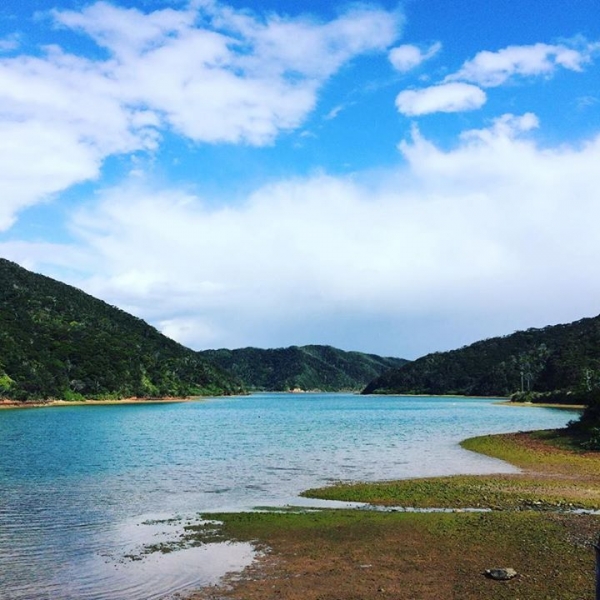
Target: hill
(59,342)
(559,358)
(302,367)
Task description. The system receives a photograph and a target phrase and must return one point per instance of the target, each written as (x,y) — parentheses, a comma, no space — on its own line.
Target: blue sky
(392,178)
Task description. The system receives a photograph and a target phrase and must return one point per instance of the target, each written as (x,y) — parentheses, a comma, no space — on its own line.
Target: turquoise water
(80,485)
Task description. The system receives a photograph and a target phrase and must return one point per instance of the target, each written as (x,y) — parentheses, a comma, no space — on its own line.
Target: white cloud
(490,69)
(57,258)
(210,73)
(585,102)
(334,112)
(407,57)
(447,97)
(493,228)
(60,117)
(10,43)
(127,33)
(237,79)
(38,159)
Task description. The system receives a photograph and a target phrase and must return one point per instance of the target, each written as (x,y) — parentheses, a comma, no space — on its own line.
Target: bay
(84,487)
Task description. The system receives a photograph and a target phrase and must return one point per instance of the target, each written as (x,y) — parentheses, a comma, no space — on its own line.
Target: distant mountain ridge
(59,342)
(304,368)
(563,358)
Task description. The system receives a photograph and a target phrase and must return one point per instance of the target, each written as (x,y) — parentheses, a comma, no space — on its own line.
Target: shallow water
(81,487)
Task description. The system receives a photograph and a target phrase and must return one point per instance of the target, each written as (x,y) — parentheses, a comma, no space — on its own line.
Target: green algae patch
(325,524)
(505,492)
(549,450)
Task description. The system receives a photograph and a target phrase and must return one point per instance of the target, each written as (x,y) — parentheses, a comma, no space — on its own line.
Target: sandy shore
(51,403)
(543,405)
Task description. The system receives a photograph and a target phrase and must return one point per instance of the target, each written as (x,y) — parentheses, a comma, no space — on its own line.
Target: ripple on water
(156,575)
(120,566)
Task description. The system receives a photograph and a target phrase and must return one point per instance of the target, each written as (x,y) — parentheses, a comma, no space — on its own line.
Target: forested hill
(58,342)
(302,367)
(556,358)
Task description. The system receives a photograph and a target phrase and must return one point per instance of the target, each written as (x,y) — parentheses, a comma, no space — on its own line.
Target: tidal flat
(541,522)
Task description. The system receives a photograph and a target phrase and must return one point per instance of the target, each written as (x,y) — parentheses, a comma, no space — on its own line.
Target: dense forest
(304,368)
(58,342)
(560,360)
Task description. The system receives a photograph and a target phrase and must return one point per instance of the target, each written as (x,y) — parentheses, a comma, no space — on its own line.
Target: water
(82,487)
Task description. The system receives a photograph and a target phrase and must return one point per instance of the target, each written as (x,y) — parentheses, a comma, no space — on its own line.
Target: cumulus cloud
(407,57)
(446,97)
(462,90)
(36,160)
(60,117)
(237,78)
(126,33)
(490,69)
(210,73)
(494,227)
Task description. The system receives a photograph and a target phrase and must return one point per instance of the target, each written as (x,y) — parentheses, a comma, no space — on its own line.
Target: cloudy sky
(392,178)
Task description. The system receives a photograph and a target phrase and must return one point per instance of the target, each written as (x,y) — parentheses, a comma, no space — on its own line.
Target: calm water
(81,487)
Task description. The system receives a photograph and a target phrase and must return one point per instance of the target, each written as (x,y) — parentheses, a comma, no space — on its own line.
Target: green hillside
(305,367)
(560,358)
(58,342)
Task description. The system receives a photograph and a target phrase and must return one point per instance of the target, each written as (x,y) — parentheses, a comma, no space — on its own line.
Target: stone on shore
(501,574)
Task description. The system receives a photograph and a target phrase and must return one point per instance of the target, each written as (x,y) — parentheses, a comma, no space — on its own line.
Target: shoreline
(6,403)
(9,404)
(15,404)
(543,405)
(460,396)
(544,458)
(532,521)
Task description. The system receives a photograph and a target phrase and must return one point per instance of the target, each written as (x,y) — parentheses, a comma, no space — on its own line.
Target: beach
(6,403)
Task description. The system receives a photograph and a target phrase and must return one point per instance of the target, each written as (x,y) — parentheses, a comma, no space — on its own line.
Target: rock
(500,574)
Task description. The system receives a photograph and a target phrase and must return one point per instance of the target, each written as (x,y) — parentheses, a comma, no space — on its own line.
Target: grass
(368,555)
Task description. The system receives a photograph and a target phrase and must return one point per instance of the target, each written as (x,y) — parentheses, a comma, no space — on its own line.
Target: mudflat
(534,525)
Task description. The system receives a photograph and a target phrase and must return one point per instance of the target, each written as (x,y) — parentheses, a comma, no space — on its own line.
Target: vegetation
(58,342)
(306,368)
(560,358)
(587,429)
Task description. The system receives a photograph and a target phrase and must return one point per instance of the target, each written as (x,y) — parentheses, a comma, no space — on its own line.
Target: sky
(395,178)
